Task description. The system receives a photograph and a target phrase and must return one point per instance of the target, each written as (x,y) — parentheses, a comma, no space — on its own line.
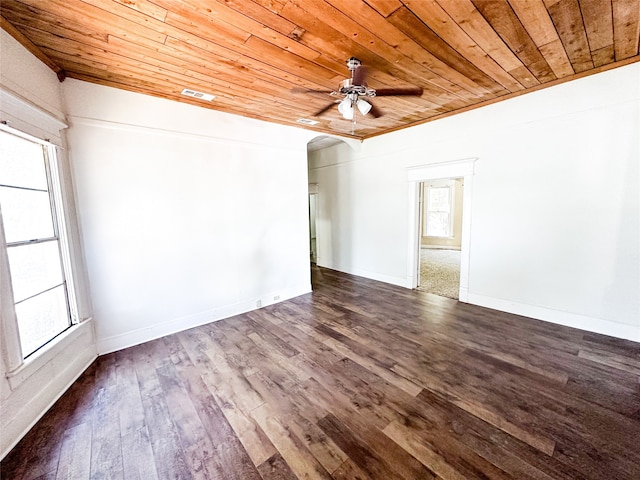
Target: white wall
(187,215)
(31,100)
(555,205)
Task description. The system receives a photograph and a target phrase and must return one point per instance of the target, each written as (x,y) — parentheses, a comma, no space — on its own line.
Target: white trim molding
(21,114)
(358,272)
(146,334)
(39,382)
(568,319)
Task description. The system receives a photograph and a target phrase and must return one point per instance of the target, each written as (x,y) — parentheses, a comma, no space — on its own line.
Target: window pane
(26,214)
(41,318)
(439,199)
(21,163)
(34,268)
(438,224)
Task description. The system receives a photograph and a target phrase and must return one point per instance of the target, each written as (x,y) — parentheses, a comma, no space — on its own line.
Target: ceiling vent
(202,96)
(306,121)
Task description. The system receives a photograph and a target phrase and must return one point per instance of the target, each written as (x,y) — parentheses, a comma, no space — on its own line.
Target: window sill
(49,353)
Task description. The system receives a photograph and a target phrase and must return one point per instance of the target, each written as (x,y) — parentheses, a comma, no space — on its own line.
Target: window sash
(438,217)
(55,295)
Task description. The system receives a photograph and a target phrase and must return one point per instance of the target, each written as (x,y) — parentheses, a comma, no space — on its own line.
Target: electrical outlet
(259,303)
(277,297)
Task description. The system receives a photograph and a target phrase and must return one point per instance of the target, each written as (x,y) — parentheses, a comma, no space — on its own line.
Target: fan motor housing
(347,87)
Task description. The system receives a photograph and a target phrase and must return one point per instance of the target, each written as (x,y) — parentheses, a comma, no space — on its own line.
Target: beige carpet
(440,272)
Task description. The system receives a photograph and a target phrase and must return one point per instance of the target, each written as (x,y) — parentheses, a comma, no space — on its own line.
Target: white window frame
(54,187)
(17,369)
(427,210)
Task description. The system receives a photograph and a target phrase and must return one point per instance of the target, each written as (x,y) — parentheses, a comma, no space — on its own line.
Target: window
(438,214)
(30,209)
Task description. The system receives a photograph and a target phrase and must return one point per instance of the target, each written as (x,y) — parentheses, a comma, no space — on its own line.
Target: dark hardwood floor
(358,380)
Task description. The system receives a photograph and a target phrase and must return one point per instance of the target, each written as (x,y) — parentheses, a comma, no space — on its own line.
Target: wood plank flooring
(358,380)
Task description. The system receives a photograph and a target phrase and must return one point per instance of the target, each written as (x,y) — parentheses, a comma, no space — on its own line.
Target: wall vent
(306,121)
(202,96)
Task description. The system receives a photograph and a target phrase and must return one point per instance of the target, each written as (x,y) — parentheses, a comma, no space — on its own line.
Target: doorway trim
(313,227)
(463,168)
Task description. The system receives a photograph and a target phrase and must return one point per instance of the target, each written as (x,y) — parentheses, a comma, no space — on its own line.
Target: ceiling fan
(353,89)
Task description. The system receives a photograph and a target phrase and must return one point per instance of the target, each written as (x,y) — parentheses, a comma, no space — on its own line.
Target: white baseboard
(142,335)
(50,394)
(399,281)
(582,322)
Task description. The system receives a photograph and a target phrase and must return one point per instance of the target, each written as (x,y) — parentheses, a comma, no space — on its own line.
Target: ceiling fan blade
(375,111)
(325,109)
(306,90)
(386,92)
(359,75)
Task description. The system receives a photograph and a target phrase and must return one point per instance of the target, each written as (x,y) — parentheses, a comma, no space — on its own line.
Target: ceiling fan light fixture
(346,108)
(363,106)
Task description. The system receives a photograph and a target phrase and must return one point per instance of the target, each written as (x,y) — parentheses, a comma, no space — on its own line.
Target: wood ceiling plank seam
(402,66)
(395,37)
(70,59)
(557,58)
(71,30)
(85,13)
(274,6)
(78,49)
(464,29)
(206,23)
(597,16)
(626,28)
(230,76)
(182,30)
(221,34)
(241,15)
(325,38)
(160,76)
(66,54)
(21,14)
(428,39)
(145,7)
(244,65)
(536,20)
(262,15)
(603,56)
(167,90)
(313,73)
(567,18)
(287,61)
(227,57)
(32,47)
(49,39)
(384,7)
(204,80)
(59,31)
(506,23)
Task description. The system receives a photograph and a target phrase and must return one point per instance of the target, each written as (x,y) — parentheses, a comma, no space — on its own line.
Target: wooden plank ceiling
(253,54)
